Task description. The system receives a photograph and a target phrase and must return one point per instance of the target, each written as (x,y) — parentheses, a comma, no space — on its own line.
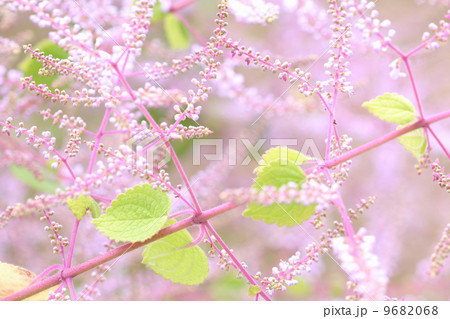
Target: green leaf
(415,142)
(81,204)
(303,289)
(136,215)
(392,107)
(281,214)
(158,13)
(176,33)
(171,258)
(225,287)
(277,174)
(281,154)
(28,178)
(31,67)
(253,290)
(281,170)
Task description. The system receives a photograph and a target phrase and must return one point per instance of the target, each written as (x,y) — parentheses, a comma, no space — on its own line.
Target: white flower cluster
(310,192)
(312,18)
(284,273)
(369,24)
(361,265)
(254,11)
(433,2)
(437,34)
(135,32)
(395,72)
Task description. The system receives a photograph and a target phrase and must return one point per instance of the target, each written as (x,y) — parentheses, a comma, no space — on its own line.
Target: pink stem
(105,199)
(97,140)
(346,221)
(126,50)
(183,212)
(116,132)
(235,260)
(386,138)
(73,294)
(172,128)
(413,84)
(439,142)
(331,126)
(199,238)
(155,125)
(66,164)
(180,5)
(420,47)
(47,271)
(117,252)
(345,218)
(68,262)
(213,244)
(72,243)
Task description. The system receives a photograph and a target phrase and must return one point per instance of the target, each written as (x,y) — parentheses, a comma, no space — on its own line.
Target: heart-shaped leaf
(170,258)
(136,215)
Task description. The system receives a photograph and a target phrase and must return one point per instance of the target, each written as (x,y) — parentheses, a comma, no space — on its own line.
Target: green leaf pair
(278,167)
(138,215)
(397,109)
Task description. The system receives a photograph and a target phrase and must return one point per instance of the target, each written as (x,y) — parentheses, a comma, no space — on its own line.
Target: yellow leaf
(14,278)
